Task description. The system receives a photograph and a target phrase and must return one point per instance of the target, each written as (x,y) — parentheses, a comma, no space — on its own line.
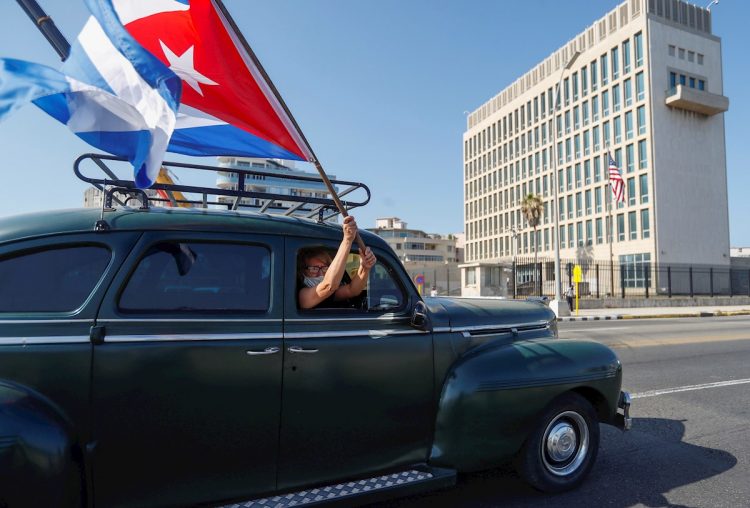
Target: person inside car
(324,281)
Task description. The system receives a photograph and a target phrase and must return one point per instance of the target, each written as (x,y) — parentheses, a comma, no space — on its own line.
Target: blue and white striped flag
(110,92)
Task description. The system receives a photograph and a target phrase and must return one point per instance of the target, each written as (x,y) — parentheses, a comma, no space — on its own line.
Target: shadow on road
(633,468)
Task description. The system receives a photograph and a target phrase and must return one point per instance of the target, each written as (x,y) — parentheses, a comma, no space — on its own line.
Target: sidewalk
(657,312)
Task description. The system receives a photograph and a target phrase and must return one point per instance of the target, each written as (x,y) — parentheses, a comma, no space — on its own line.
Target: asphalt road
(690,442)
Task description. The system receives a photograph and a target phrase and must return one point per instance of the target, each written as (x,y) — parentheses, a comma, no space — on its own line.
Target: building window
(701,84)
(585,110)
(638,41)
(595,137)
(587,201)
(617,126)
(566,91)
(691,56)
(571,210)
(605,133)
(569,176)
(629,125)
(599,238)
(681,53)
(635,269)
(642,157)
(584,81)
(700,59)
(579,207)
(471,276)
(589,232)
(576,117)
(571,240)
(615,56)
(595,108)
(575,86)
(640,90)
(616,98)
(672,50)
(631,194)
(641,112)
(645,226)
(672,80)
(562,236)
(587,171)
(594,78)
(604,69)
(598,200)
(630,158)
(605,103)
(643,180)
(597,171)
(621,227)
(579,233)
(628,92)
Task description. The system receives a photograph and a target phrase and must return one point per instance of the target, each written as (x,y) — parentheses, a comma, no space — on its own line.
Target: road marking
(676,341)
(589,329)
(690,388)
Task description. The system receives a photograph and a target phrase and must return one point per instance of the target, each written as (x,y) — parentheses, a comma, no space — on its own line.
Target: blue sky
(380,89)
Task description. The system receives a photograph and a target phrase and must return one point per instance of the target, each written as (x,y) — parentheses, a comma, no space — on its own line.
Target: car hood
(466,314)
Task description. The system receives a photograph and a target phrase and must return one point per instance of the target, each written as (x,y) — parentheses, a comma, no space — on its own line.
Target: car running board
(403,483)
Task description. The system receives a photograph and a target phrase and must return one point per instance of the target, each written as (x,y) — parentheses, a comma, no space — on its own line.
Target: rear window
(51,280)
(178,277)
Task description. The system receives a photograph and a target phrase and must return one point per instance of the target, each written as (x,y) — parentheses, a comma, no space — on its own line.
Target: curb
(589,318)
(718,313)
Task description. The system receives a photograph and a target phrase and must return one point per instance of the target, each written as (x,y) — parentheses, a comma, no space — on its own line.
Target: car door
(358,383)
(187,373)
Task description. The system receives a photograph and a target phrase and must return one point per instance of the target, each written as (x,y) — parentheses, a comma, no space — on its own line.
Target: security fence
(634,279)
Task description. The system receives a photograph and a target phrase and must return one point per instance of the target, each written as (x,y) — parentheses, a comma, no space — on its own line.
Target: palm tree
(532,208)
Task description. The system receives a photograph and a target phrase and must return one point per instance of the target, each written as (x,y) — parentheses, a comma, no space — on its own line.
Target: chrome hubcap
(565,444)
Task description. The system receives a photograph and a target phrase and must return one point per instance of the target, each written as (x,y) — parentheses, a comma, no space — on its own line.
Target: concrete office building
(646,85)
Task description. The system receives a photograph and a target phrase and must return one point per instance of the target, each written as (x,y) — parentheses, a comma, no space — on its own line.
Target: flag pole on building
(313,159)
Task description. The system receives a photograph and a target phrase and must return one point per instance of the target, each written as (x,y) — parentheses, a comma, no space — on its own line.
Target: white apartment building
(272,184)
(645,85)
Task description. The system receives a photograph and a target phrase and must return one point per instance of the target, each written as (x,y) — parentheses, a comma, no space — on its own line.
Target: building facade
(435,257)
(272,184)
(644,84)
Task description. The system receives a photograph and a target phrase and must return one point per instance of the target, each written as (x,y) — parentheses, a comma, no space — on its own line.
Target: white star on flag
(183,66)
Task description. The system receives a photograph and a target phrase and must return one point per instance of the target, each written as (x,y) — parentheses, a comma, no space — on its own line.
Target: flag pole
(315,161)
(611,230)
(48,28)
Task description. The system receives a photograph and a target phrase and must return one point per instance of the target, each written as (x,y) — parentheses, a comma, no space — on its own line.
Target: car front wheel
(562,448)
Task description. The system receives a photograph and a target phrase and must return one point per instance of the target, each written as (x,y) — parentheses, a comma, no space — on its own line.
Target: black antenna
(48,28)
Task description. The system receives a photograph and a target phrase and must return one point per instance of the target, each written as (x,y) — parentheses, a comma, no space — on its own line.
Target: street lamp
(557,304)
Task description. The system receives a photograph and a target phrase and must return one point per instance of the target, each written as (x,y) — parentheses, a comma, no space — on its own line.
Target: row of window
(569,178)
(171,277)
(571,206)
(572,120)
(629,226)
(587,78)
(685,54)
(686,80)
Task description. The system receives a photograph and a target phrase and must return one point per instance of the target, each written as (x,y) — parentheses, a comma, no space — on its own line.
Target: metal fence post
(648,279)
(539,268)
(514,280)
(731,281)
(622,282)
(597,281)
(669,281)
(691,282)
(711,280)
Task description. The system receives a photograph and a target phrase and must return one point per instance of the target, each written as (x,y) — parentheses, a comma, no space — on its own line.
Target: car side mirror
(420,319)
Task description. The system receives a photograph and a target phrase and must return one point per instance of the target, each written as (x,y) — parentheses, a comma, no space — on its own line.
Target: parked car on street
(158,357)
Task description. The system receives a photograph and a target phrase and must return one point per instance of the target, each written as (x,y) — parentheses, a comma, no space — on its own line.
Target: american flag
(615,178)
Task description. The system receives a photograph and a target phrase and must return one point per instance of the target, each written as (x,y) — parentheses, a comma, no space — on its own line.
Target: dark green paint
(158,422)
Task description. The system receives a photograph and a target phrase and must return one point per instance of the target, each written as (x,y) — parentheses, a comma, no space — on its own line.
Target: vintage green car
(162,360)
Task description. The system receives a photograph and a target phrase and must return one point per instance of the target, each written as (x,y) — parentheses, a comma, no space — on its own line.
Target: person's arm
(310,297)
(359,280)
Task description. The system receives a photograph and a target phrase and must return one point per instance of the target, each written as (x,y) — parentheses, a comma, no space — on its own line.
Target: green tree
(532,208)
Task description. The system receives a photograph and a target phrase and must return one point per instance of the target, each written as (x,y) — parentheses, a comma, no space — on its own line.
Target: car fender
(493,393)
(38,464)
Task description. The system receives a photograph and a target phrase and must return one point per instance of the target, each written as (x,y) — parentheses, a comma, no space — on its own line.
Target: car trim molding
(384,317)
(487,329)
(42,321)
(186,320)
(504,384)
(192,337)
(33,341)
(351,333)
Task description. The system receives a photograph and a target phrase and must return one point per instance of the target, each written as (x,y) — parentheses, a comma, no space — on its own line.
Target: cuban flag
(110,92)
(228,106)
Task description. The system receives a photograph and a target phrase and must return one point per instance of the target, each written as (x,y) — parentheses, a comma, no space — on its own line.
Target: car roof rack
(265,202)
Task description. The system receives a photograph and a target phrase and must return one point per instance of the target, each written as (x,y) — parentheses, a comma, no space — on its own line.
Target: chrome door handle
(267,351)
(295,349)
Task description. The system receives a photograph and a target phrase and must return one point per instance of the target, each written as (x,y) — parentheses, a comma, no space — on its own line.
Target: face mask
(311,282)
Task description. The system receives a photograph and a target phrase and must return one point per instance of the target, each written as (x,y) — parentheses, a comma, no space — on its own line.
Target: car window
(51,280)
(200,277)
(382,291)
